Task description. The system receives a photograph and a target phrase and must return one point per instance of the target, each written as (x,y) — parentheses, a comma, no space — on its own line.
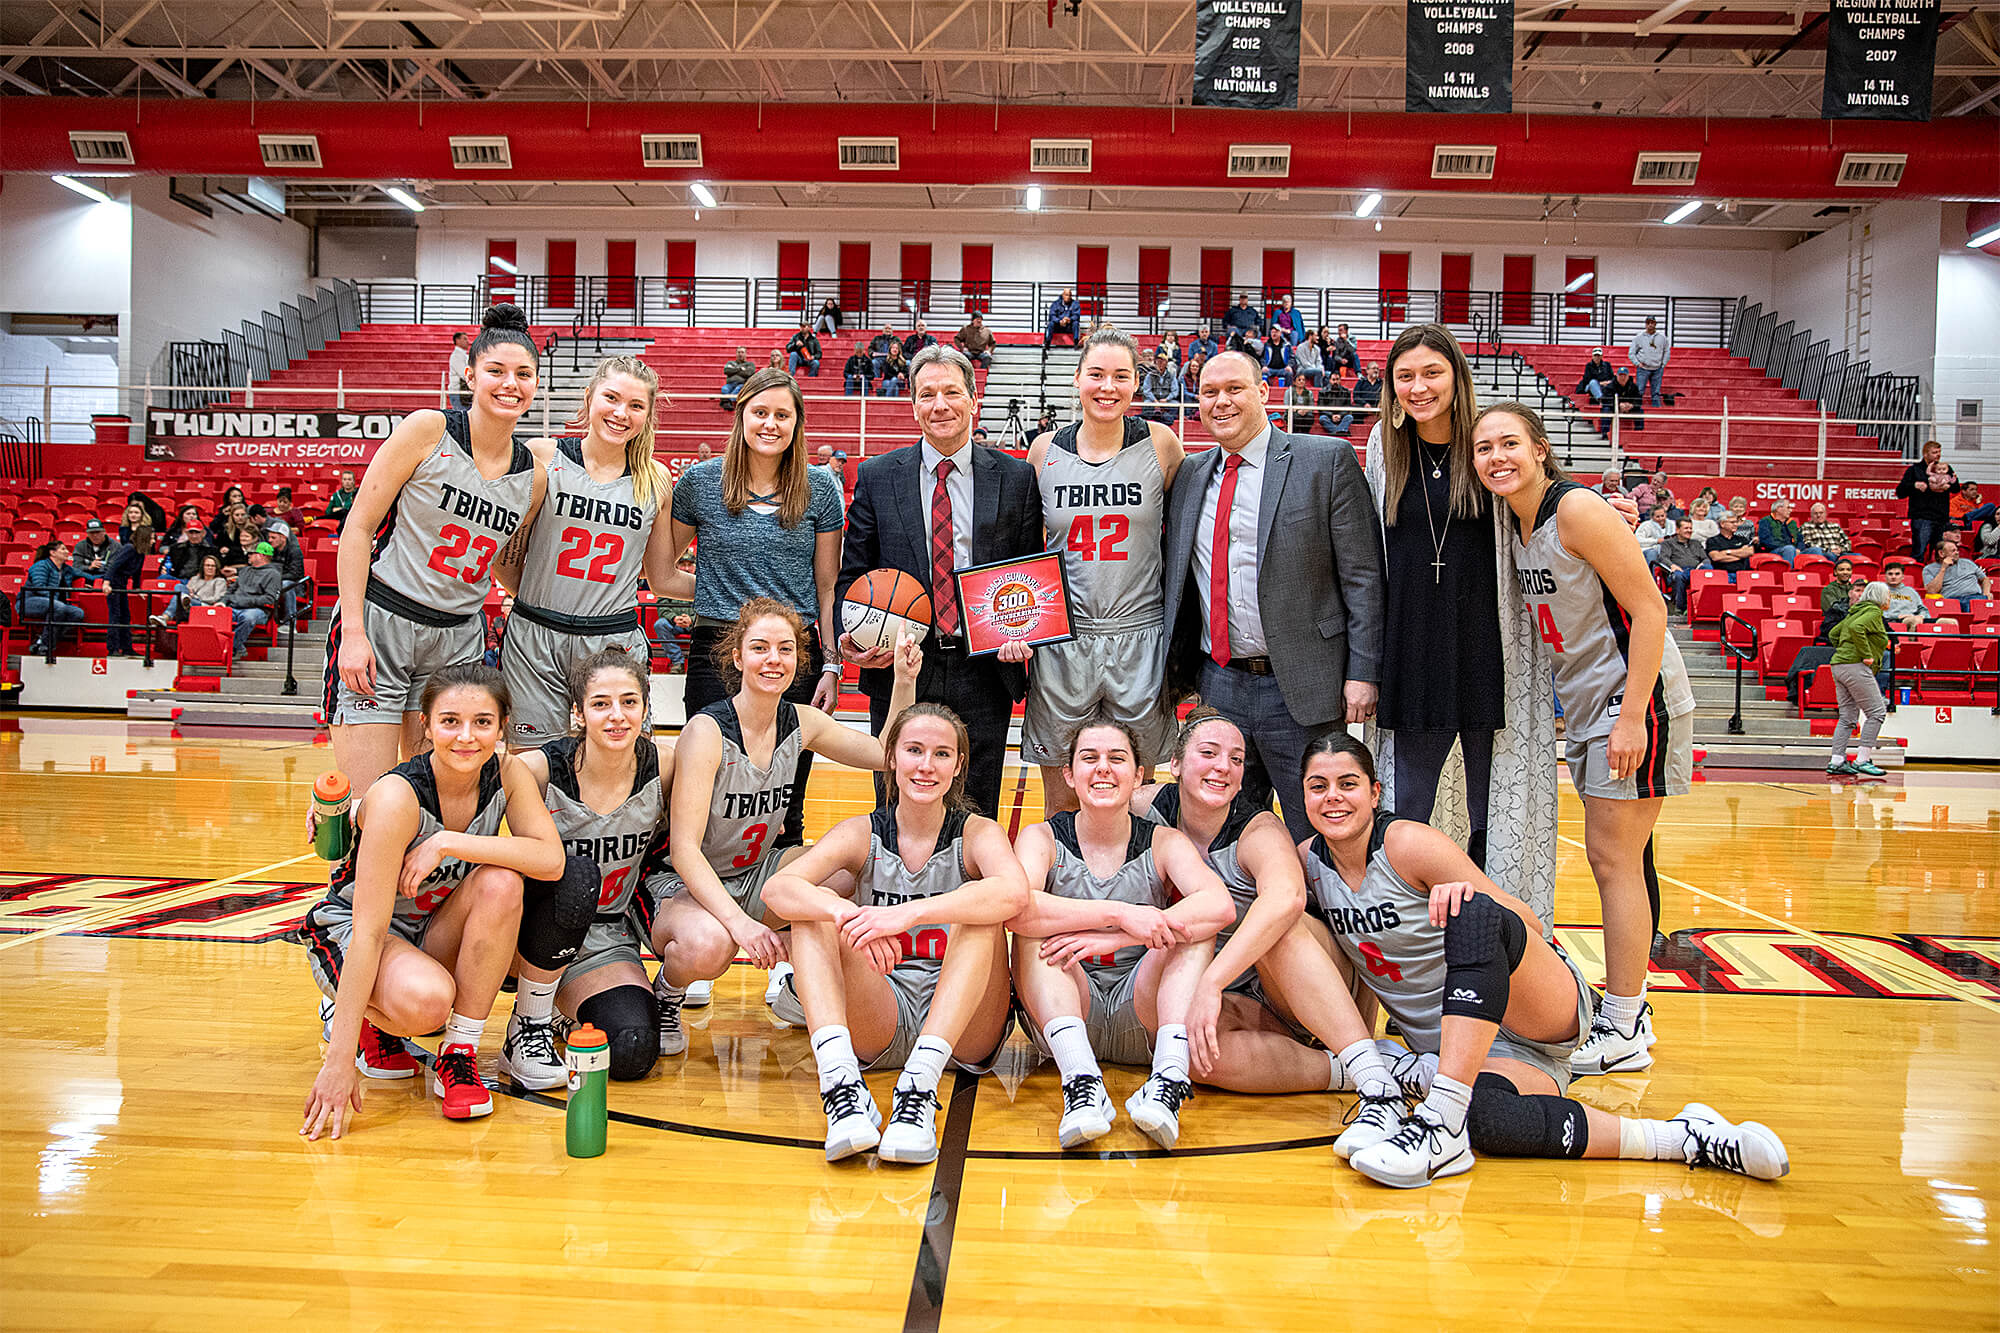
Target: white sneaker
(698,995)
(853,1124)
(529,1055)
(1372,1120)
(1087,1111)
(1421,1151)
(1412,1070)
(1749,1149)
(1608,1051)
(911,1137)
(1156,1108)
(673,1037)
(781,997)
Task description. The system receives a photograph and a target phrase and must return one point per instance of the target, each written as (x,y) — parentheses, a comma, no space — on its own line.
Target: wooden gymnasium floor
(1836,974)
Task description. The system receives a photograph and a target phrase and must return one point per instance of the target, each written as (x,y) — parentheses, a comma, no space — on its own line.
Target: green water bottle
(589,1061)
(333,836)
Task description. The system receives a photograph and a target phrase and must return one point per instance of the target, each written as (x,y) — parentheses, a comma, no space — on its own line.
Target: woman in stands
(238,536)
(898,933)
(420,920)
(205,587)
(230,497)
(576,581)
(440,499)
(186,542)
(1464,970)
(44,599)
(738,761)
(1103,483)
(1628,724)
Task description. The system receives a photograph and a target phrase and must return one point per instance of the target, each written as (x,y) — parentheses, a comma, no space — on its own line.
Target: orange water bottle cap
(331,786)
(587,1036)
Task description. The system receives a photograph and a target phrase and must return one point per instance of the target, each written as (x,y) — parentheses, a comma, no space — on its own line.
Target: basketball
(883,605)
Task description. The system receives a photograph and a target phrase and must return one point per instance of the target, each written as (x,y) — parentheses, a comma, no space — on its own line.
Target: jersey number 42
(1098,538)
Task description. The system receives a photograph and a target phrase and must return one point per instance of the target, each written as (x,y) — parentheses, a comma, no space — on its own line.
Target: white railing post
(340,389)
(861,443)
(1819,471)
(1722,458)
(149,391)
(48,405)
(1617,417)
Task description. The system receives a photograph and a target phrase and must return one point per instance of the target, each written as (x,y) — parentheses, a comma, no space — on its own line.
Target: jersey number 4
(1545,620)
(458,541)
(576,546)
(1371,954)
(1098,538)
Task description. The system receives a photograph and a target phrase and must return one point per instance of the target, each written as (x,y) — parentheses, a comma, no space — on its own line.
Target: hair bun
(505,315)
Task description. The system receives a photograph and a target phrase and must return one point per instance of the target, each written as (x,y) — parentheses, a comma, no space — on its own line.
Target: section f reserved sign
(1246,54)
(1459,57)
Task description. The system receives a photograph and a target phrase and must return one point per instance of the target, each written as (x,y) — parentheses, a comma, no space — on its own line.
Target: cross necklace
(1430,520)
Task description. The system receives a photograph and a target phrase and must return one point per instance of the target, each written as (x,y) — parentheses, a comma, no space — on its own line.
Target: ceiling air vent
(671,150)
(1463,162)
(1260,159)
(1880,170)
(100,148)
(289,150)
(481,152)
(1059,155)
(870,154)
(1666,168)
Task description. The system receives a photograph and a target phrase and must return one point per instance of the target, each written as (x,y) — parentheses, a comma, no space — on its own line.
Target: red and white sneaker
(383,1056)
(455,1077)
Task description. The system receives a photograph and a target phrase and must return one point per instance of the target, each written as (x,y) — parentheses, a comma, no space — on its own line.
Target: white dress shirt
(1246,619)
(957,489)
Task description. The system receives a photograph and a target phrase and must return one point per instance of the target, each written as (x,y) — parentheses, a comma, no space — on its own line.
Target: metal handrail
(1971,673)
(1741,655)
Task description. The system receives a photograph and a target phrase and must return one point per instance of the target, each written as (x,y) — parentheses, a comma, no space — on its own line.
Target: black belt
(1255,666)
(622,623)
(380,594)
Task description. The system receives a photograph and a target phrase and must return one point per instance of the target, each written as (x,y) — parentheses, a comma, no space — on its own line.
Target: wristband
(835,667)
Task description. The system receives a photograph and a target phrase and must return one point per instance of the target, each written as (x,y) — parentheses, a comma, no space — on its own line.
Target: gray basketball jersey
(748,808)
(1136,881)
(1221,854)
(451,872)
(1384,927)
(437,544)
(588,546)
(620,841)
(1588,633)
(1107,519)
(885,881)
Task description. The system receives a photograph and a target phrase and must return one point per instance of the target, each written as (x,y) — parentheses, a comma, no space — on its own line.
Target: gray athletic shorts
(747,888)
(1121,674)
(1666,770)
(1551,1057)
(328,931)
(1251,987)
(609,940)
(1116,1035)
(913,987)
(406,655)
(536,661)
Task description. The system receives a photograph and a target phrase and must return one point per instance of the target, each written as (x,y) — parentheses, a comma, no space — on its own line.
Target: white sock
(1863,753)
(536,999)
(833,1051)
(1070,1045)
(1447,1103)
(1651,1140)
(1623,1010)
(462,1031)
(926,1064)
(1394,1053)
(1170,1052)
(1364,1071)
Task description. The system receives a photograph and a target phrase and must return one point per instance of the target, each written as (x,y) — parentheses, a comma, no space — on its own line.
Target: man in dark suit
(926,509)
(1274,582)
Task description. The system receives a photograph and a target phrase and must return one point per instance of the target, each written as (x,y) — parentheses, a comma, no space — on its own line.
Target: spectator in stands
(186,540)
(1654,531)
(137,530)
(803,350)
(1343,351)
(1065,320)
(702,453)
(204,586)
(44,600)
(230,499)
(976,341)
(1309,361)
(895,373)
(857,373)
(1821,535)
(155,515)
(496,629)
(776,360)
(1860,642)
(919,339)
(1046,422)
(1954,577)
(1336,407)
(1928,484)
(1970,510)
(1191,376)
(1597,383)
(1243,329)
(1654,490)
(455,367)
(1367,387)
(1171,345)
(262,519)
(1678,557)
(1739,505)
(289,559)
(341,500)
(1778,533)
(1729,551)
(254,599)
(1160,390)
(1611,482)
(1287,325)
(1906,609)
(1630,400)
(880,346)
(1703,514)
(734,372)
(676,627)
(1837,596)
(1663,491)
(238,536)
(1200,343)
(113,560)
(828,319)
(282,509)
(93,554)
(1649,353)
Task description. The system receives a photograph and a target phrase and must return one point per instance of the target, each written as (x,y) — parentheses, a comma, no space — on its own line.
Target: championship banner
(1246,54)
(1459,57)
(1881,57)
(238,435)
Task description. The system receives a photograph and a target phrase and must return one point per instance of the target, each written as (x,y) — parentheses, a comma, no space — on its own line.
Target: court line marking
(154,902)
(933,1266)
(1937,981)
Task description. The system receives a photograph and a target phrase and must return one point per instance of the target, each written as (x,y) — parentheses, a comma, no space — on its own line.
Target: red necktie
(1218,565)
(944,593)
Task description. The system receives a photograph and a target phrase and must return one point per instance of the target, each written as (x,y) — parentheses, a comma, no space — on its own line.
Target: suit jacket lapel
(909,503)
(1199,474)
(1277,462)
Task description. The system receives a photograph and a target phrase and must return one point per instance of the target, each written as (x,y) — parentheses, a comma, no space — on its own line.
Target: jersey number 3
(753,846)
(576,545)
(1098,539)
(457,541)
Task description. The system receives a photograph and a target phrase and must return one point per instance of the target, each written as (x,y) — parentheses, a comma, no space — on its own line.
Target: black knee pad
(1504,1122)
(1483,945)
(555,913)
(629,1017)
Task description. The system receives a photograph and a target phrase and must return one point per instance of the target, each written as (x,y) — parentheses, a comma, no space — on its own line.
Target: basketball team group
(1238,923)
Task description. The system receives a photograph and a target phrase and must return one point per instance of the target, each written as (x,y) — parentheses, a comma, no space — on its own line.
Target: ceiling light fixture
(1369,203)
(404,197)
(703,195)
(90,192)
(1686,210)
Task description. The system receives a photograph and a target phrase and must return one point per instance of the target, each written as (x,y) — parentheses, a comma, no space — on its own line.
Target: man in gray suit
(1274,582)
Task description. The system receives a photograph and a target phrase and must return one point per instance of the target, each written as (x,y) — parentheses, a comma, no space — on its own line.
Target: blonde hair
(649,479)
(794,485)
(1399,432)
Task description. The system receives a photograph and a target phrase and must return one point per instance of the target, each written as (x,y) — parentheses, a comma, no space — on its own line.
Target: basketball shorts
(536,661)
(1121,674)
(328,930)
(1666,769)
(1251,987)
(406,655)
(747,888)
(1551,1057)
(913,986)
(612,938)
(1116,1035)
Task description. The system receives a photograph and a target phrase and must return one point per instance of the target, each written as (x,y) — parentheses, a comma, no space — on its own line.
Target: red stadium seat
(206,641)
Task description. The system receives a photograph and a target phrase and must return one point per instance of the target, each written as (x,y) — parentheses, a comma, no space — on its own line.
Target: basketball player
(911,969)
(606,788)
(442,496)
(1117,931)
(420,920)
(734,770)
(575,572)
(1103,484)
(1463,969)
(1604,627)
